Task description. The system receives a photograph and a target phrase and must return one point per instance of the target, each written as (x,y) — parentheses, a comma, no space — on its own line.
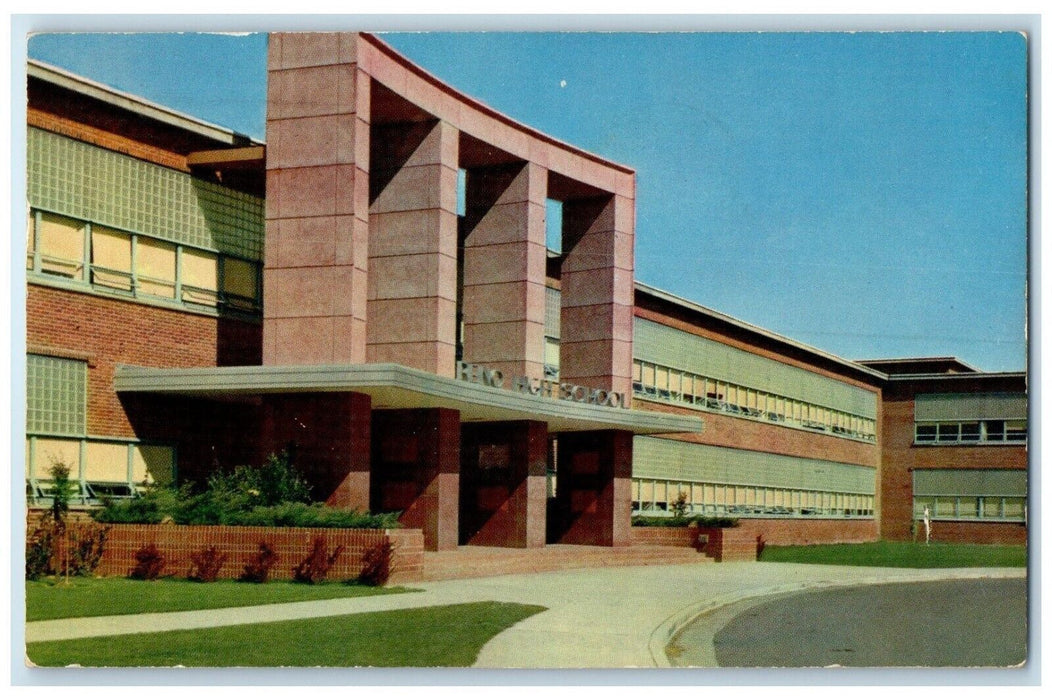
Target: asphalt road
(961,623)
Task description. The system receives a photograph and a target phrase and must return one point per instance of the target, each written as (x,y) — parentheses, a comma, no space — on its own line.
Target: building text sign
(480,374)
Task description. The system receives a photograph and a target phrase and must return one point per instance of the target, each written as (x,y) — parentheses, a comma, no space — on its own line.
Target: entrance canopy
(395,386)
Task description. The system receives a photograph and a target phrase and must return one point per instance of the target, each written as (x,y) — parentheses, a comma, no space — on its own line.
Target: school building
(371,290)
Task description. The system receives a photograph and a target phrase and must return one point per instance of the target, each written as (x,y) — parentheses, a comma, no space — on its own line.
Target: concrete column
(598,293)
(594,488)
(503,476)
(316,264)
(327,436)
(504,268)
(412,293)
(416,470)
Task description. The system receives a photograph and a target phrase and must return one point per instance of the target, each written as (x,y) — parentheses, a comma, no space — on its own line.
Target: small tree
(679,506)
(63,491)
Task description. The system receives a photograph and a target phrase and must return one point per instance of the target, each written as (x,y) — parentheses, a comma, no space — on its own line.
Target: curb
(672,625)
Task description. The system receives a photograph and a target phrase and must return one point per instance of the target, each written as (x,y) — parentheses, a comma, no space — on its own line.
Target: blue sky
(864,193)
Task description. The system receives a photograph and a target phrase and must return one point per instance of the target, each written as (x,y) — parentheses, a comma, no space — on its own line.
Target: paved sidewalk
(596,618)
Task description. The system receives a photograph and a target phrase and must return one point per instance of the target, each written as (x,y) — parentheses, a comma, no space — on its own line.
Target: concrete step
(474,562)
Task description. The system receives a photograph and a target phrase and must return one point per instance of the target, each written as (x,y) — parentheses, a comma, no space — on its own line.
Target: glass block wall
(76,179)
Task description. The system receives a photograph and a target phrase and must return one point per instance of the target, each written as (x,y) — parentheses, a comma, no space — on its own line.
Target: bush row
(163,505)
(273,494)
(683,521)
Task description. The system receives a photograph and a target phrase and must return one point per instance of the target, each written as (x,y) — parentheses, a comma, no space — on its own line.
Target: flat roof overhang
(395,386)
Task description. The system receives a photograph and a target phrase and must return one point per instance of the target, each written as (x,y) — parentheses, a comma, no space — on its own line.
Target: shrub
(86,544)
(273,482)
(257,570)
(313,515)
(205,565)
(40,549)
(150,563)
(376,564)
(270,495)
(317,564)
(153,506)
(55,547)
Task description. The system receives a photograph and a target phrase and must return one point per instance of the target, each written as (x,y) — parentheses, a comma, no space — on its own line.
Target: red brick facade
(108,332)
(900,457)
(744,434)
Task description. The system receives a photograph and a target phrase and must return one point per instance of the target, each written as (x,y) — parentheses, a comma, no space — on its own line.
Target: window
(111,259)
(103,468)
(145,268)
(199,277)
(60,245)
(926,433)
(56,395)
(657,496)
(241,284)
(155,267)
(970,494)
(551,358)
(654,381)
(1015,431)
(975,432)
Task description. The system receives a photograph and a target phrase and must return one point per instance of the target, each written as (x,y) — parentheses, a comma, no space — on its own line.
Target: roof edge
(475,103)
(134,103)
(959,375)
(698,308)
(925,358)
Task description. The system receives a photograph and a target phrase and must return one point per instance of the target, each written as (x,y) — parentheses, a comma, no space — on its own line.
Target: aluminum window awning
(395,386)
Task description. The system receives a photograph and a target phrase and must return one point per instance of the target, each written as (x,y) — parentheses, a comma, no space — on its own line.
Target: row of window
(658,496)
(1004,508)
(654,381)
(139,266)
(964,432)
(101,468)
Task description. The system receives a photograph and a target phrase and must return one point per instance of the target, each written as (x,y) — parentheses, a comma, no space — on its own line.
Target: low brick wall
(789,531)
(722,544)
(665,536)
(729,543)
(972,532)
(292,545)
(736,543)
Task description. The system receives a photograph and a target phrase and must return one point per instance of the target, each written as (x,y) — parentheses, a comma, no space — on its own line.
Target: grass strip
(448,635)
(899,554)
(50,599)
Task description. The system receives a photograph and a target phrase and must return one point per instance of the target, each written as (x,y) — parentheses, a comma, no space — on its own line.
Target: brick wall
(665,536)
(727,544)
(110,134)
(724,430)
(962,531)
(292,545)
(900,457)
(107,332)
(790,531)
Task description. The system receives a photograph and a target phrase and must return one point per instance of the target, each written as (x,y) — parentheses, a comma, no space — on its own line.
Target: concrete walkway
(596,618)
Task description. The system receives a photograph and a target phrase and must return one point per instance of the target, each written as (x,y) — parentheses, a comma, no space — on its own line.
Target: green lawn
(900,554)
(450,635)
(91,597)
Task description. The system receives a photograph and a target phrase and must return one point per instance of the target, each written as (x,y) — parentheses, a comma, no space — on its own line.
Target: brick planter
(292,545)
(720,543)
